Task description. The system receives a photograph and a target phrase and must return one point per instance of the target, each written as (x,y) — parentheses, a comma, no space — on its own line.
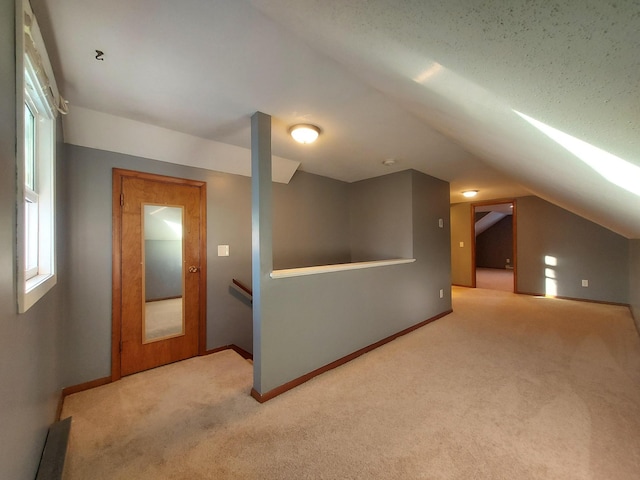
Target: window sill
(34,289)
(298,272)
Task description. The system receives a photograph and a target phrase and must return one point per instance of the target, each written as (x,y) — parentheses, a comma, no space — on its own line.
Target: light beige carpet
(494,279)
(506,387)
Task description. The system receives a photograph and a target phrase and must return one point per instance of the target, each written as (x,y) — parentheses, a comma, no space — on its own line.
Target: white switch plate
(440,222)
(441,293)
(585,283)
(461,244)
(223,250)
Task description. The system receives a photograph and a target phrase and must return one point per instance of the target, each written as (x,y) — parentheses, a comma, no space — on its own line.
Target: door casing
(116,313)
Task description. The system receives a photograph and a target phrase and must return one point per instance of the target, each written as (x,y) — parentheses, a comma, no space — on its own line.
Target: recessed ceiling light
(389,161)
(304,133)
(470,193)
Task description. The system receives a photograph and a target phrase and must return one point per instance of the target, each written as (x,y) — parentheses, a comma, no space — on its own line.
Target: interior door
(159,270)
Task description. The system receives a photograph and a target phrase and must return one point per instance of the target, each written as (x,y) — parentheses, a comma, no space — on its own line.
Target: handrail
(242,287)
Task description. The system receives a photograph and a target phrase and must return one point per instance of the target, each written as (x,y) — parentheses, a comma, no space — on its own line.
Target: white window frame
(32,285)
(31,197)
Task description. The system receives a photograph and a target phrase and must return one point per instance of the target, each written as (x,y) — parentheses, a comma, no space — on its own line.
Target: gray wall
(495,245)
(432,243)
(634,280)
(310,321)
(310,222)
(30,343)
(229,320)
(381,224)
(461,261)
(584,250)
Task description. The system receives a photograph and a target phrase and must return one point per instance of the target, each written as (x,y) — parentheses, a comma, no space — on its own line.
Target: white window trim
(33,289)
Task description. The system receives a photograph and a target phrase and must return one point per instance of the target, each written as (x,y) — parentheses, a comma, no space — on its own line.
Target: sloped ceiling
(510,98)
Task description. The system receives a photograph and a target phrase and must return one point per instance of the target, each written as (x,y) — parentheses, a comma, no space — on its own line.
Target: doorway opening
(494,247)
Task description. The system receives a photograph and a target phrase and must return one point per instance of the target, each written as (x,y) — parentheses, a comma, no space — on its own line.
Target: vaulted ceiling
(510,97)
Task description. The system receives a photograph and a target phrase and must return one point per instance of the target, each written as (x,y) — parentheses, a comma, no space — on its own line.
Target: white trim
(102,131)
(35,288)
(340,267)
(29,291)
(39,65)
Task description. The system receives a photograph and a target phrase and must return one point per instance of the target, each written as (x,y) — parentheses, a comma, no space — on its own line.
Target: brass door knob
(193,269)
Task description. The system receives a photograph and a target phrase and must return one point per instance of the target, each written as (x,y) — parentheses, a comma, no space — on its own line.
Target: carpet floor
(506,387)
(494,279)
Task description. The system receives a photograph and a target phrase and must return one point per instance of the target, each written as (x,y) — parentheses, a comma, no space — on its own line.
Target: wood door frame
(116,261)
(515,237)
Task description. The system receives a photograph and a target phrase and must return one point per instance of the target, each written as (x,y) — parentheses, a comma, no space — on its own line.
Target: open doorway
(494,245)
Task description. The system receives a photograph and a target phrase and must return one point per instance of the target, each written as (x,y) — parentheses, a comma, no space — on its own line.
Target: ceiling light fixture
(388,162)
(304,133)
(470,193)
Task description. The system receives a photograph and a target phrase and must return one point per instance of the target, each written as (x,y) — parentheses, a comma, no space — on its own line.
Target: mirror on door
(163,273)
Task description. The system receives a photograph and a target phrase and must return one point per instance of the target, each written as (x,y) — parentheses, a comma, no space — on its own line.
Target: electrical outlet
(508,260)
(461,244)
(585,283)
(441,293)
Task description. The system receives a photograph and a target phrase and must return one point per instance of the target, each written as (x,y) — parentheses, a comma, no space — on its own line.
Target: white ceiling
(435,85)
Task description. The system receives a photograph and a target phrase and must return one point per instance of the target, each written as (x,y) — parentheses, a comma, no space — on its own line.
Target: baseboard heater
(55,451)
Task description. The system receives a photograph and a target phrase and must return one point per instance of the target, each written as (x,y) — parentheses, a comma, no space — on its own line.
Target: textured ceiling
(436,85)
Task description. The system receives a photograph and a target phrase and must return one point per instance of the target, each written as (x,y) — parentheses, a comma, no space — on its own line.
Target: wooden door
(159,271)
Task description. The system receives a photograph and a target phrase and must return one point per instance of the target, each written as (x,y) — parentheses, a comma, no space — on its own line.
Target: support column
(261,230)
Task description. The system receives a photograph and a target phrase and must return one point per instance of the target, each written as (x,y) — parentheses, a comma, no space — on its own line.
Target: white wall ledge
(340,267)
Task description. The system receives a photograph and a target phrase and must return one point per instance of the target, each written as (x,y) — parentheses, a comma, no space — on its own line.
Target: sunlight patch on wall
(550,281)
(618,171)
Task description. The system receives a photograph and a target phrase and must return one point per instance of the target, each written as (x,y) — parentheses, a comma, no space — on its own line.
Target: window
(30,196)
(39,103)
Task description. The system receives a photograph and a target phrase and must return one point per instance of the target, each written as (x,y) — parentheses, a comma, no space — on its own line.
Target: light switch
(585,283)
(440,222)
(461,244)
(223,250)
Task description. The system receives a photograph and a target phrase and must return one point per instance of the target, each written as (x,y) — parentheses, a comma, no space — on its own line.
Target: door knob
(193,269)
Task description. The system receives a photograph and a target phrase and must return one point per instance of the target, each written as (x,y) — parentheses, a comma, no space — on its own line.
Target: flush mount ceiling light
(389,161)
(470,193)
(304,133)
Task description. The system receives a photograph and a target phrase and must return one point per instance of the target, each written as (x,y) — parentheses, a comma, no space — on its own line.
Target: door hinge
(122,199)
